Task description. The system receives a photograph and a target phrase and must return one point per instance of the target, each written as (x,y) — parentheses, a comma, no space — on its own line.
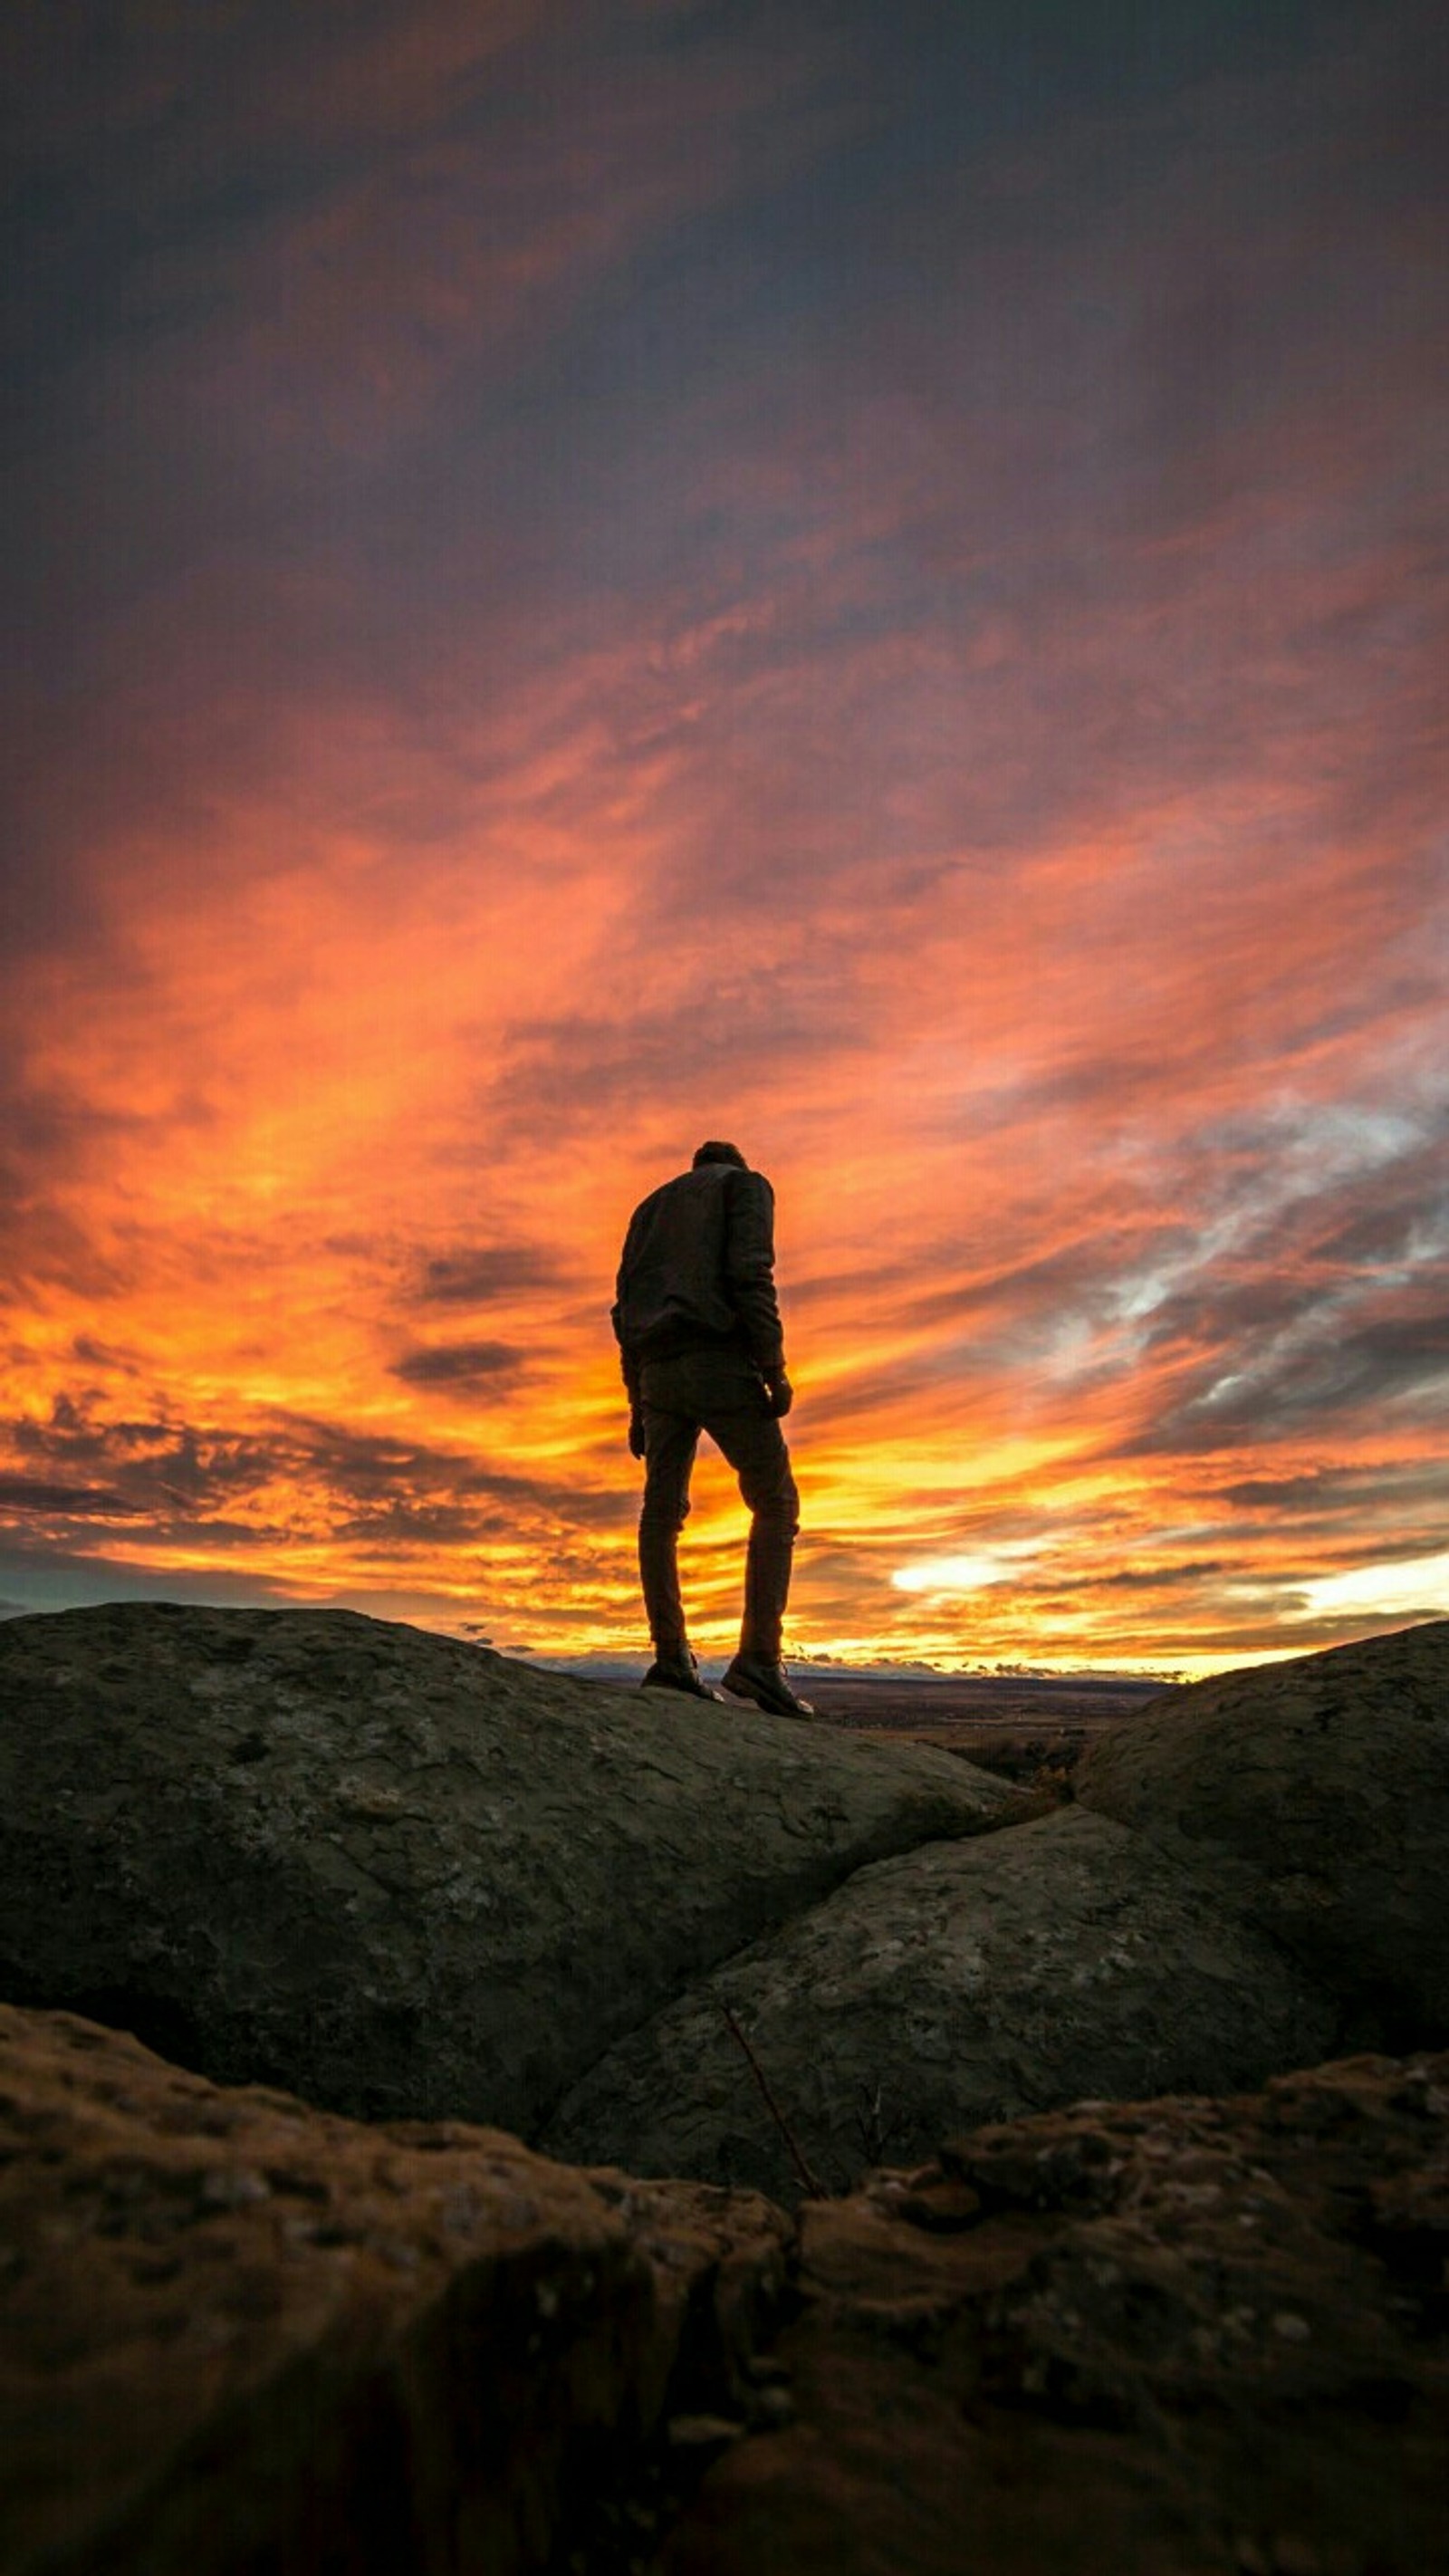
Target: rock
(400,1874)
(236,2333)
(1180,2338)
(956,1983)
(1318,1792)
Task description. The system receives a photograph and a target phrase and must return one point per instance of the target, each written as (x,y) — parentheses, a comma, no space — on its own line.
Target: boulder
(1317,1791)
(401,1874)
(1178,2338)
(956,1983)
(239,2334)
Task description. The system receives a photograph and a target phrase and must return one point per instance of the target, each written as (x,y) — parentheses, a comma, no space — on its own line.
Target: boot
(755,1677)
(679,1672)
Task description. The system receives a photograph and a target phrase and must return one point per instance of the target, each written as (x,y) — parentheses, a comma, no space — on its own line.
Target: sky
(871,580)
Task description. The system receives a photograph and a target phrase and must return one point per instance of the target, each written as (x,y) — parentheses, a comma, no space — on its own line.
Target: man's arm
(628,1359)
(750,1271)
(630,1367)
(628,1362)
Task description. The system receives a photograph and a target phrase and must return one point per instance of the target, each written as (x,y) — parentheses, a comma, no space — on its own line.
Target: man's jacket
(698,1272)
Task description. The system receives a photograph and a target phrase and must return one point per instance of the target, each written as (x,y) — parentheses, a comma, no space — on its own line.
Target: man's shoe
(751,1677)
(679,1673)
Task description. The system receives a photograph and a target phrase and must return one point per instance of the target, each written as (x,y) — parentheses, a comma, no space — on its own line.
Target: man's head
(716,1151)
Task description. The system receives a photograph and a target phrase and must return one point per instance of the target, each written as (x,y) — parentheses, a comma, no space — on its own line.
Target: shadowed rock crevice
(158,2021)
(953,1984)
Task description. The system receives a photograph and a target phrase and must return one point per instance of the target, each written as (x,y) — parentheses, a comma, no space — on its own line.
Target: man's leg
(670,1441)
(754,1444)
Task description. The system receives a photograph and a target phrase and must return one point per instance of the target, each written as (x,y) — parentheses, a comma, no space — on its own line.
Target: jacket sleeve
(628,1360)
(749,1261)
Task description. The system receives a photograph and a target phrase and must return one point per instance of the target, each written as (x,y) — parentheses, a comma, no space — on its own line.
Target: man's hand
(636,1431)
(780,1392)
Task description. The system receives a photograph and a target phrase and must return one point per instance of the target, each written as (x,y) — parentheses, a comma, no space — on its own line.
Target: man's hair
(715,1150)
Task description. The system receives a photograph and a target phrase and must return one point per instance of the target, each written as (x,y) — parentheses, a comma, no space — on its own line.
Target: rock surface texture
(1317,1791)
(963,1982)
(402,1875)
(1176,2338)
(1180,2338)
(237,2335)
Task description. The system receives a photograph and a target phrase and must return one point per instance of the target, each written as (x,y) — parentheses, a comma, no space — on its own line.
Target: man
(698,1326)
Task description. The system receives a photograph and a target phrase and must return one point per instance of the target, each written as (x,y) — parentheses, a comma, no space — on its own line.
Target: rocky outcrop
(239,2334)
(1179,2338)
(958,1983)
(399,1874)
(1317,1792)
(408,1877)
(1176,2338)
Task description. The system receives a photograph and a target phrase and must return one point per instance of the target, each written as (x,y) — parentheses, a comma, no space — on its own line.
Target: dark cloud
(461,1364)
(862,1287)
(63,1502)
(1346,1628)
(477,1275)
(1336,1493)
(186,1479)
(402,1526)
(103,1355)
(1409,1220)
(686,1055)
(1073,1277)
(284,301)
(158,1466)
(1220,1634)
(578,166)
(1316,1367)
(1192,1572)
(357,1465)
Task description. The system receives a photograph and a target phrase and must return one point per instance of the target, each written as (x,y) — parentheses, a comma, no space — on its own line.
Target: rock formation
(399,1874)
(1317,1793)
(408,1877)
(237,2334)
(962,1982)
(1177,2338)
(1253,1881)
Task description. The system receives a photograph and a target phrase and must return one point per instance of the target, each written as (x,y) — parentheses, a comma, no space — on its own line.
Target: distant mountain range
(834,1668)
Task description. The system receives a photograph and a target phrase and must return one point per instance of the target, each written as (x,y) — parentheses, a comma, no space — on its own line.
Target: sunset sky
(869,579)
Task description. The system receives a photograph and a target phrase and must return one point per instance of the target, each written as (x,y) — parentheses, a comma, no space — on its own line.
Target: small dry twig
(875,2131)
(815,2189)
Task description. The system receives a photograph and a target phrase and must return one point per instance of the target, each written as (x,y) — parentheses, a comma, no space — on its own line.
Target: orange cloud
(596,605)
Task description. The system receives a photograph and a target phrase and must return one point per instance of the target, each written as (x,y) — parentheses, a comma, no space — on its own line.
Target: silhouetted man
(698,1327)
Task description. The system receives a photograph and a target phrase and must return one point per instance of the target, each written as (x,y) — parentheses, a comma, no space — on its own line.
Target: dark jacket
(698,1272)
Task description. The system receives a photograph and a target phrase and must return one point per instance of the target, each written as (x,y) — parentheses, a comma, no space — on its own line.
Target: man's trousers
(718,1392)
